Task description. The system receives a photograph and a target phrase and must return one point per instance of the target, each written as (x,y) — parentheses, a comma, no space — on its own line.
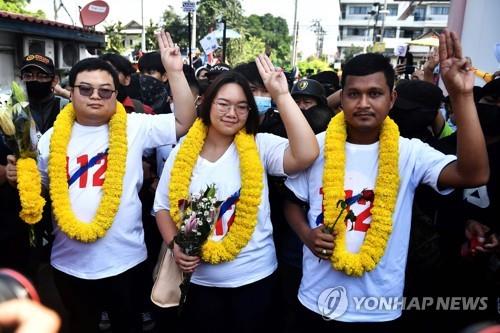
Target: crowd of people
(363,184)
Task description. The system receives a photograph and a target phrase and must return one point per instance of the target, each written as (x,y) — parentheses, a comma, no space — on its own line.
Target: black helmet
(309,87)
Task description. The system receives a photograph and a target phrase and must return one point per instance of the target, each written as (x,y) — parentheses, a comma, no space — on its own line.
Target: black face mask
(38,90)
(122,93)
(489,117)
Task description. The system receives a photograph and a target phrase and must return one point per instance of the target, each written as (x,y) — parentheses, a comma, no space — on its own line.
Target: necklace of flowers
(112,188)
(251,170)
(386,190)
(29,185)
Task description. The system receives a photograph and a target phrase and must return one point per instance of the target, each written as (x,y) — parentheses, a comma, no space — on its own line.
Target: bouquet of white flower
(15,125)
(199,214)
(15,122)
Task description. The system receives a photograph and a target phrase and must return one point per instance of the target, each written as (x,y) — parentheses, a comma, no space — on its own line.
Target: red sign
(94,13)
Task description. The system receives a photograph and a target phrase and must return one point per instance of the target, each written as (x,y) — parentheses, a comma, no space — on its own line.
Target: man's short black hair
(250,71)
(92,64)
(120,63)
(151,62)
(369,63)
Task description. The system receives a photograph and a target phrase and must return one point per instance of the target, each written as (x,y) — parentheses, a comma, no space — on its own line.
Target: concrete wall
(480,31)
(7,59)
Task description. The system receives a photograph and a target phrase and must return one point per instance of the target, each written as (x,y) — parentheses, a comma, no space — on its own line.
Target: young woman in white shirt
(232,282)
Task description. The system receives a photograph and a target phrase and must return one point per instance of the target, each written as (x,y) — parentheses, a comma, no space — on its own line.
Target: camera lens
(14,285)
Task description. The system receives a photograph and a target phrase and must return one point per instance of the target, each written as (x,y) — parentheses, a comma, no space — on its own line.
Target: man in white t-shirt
(331,298)
(103,273)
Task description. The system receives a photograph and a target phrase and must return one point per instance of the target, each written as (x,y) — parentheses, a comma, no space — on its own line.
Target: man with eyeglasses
(92,159)
(38,74)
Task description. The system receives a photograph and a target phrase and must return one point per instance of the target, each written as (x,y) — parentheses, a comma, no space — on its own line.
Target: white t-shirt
(418,163)
(123,245)
(257,259)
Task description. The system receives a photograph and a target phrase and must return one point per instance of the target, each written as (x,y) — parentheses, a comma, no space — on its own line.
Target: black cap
(416,94)
(40,61)
(309,87)
(491,88)
(216,70)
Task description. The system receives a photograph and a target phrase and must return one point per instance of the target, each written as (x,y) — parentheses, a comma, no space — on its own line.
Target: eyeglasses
(223,107)
(88,91)
(42,77)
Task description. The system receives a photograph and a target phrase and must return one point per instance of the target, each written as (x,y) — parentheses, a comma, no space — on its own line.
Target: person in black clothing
(38,73)
(14,235)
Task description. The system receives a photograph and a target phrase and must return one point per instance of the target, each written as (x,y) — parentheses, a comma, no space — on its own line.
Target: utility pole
(143,34)
(189,38)
(384,12)
(193,31)
(295,34)
(320,36)
(376,21)
(295,41)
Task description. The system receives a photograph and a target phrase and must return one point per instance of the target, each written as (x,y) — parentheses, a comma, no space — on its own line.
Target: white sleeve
(162,190)
(299,185)
(429,163)
(272,150)
(153,130)
(43,157)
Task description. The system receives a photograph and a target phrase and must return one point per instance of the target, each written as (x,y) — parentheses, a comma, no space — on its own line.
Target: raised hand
(274,78)
(455,69)
(170,53)
(432,60)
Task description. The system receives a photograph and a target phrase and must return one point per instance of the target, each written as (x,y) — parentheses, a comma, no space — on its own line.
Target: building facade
(364,22)
(21,35)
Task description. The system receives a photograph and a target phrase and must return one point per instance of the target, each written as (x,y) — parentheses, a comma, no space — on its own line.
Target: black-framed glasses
(88,91)
(224,107)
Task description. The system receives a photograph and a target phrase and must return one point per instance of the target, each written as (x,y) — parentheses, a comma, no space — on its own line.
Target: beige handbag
(168,277)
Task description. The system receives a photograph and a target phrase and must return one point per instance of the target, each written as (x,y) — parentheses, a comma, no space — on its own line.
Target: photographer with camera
(20,310)
(27,316)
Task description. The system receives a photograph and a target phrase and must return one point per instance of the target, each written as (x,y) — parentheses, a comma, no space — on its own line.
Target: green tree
(244,49)
(114,38)
(176,26)
(151,42)
(209,11)
(313,65)
(17,6)
(274,32)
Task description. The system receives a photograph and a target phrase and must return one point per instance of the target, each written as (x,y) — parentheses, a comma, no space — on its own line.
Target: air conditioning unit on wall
(68,54)
(38,45)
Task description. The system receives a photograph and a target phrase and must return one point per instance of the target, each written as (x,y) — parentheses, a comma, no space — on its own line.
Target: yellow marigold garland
(386,191)
(251,170)
(112,189)
(29,185)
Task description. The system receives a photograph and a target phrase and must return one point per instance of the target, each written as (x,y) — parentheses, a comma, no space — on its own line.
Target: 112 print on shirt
(84,166)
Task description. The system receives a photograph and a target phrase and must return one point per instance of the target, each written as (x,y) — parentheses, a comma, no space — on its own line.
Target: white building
(400,23)
(132,35)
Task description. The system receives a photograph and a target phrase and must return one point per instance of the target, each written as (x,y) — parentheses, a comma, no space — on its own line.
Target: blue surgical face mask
(263,104)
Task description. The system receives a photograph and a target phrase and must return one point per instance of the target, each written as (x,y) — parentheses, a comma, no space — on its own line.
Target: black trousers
(310,321)
(242,309)
(84,299)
